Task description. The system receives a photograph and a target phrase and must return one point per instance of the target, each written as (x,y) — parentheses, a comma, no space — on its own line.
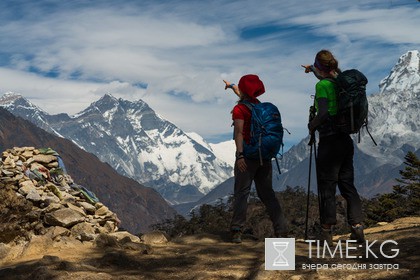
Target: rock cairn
(40,199)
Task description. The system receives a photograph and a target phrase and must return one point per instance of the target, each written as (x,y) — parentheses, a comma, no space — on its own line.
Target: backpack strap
(332,80)
(248,104)
(367,129)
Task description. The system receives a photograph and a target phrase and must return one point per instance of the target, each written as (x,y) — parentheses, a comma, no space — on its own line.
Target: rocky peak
(107,102)
(404,76)
(11,99)
(394,112)
(25,109)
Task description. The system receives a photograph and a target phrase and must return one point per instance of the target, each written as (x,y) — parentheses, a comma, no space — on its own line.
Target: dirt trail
(212,257)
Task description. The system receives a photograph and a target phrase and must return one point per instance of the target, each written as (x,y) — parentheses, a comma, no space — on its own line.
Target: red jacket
(242,112)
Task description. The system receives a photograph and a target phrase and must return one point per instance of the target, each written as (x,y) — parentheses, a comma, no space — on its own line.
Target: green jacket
(326,89)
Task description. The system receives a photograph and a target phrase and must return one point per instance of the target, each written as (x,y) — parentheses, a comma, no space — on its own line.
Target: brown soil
(211,257)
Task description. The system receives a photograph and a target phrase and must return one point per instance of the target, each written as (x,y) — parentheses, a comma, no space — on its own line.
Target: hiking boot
(326,236)
(236,236)
(357,234)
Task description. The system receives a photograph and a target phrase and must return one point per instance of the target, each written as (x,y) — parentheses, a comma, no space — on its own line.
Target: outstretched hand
(232,86)
(227,84)
(308,68)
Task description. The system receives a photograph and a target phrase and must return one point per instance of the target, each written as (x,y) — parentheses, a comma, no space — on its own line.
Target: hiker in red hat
(248,170)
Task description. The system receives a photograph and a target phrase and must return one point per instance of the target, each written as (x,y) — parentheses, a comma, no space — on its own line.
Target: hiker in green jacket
(334,162)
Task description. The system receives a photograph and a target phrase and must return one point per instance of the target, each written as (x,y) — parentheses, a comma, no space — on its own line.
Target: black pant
(262,176)
(335,167)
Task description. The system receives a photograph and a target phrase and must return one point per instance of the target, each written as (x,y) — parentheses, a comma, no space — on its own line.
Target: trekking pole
(311,144)
(309,188)
(317,187)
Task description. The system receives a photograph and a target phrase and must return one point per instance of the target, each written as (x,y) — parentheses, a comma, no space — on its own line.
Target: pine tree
(409,186)
(403,201)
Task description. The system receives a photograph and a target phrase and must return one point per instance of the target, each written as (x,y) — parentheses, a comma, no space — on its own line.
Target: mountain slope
(137,206)
(137,142)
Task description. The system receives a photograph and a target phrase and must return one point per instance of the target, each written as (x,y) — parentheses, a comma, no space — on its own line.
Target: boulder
(84,231)
(64,217)
(26,186)
(89,208)
(44,158)
(33,196)
(154,237)
(57,232)
(120,235)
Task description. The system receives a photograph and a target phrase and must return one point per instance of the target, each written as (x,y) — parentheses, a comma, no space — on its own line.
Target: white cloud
(52,95)
(387,25)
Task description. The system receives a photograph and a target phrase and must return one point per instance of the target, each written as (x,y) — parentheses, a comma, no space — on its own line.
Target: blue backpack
(266,131)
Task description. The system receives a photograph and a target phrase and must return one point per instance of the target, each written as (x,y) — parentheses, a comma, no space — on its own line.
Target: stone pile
(58,208)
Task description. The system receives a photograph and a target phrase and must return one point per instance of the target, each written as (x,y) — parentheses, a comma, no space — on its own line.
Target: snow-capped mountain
(136,142)
(395,111)
(394,122)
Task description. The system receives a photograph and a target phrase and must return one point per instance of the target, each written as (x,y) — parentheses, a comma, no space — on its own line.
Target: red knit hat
(251,85)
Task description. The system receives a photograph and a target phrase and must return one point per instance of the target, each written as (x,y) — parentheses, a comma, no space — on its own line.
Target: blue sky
(63,55)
